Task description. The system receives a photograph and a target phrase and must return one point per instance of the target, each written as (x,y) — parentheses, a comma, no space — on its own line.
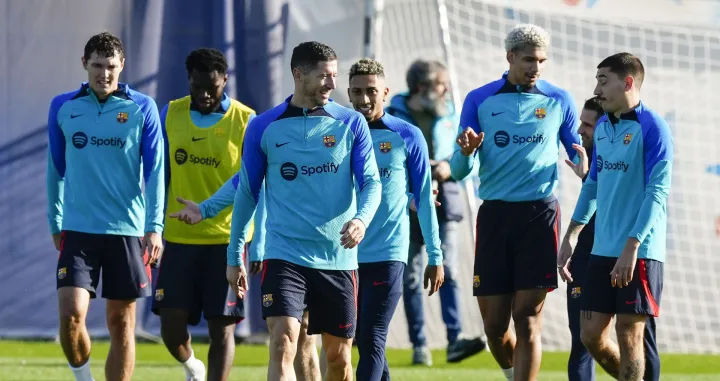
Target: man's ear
(385,94)
(297,74)
(510,56)
(84,62)
(629,82)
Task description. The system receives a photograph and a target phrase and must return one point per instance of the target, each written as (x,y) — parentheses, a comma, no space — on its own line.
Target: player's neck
(631,102)
(300,101)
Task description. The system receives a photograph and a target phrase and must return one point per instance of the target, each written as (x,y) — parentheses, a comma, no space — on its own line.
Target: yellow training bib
(201,161)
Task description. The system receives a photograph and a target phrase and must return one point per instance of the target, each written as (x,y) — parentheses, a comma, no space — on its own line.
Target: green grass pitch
(41,361)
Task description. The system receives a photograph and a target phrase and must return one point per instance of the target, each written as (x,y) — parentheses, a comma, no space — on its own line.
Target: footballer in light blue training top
(524,121)
(105,146)
(404,165)
(511,131)
(628,185)
(310,152)
(102,149)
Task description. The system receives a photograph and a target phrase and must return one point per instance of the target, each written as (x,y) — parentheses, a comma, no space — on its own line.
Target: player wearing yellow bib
(204,135)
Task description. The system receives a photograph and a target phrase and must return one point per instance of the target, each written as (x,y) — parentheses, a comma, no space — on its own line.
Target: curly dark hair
(307,55)
(104,44)
(206,60)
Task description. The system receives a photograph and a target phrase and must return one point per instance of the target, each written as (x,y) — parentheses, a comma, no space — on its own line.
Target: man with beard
(427,107)
(518,222)
(312,154)
(204,135)
(581,366)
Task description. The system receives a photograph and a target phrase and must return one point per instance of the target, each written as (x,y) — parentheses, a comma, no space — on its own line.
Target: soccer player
(581,366)
(307,149)
(105,141)
(518,222)
(426,106)
(404,166)
(628,184)
(204,133)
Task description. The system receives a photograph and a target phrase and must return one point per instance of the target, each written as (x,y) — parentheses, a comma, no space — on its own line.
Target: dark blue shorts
(640,297)
(516,247)
(121,259)
(330,296)
(192,278)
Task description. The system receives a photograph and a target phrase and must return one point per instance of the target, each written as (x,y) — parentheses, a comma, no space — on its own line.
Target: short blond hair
(527,35)
(367,66)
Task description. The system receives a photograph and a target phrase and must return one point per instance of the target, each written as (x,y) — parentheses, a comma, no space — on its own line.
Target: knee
(120,321)
(527,326)
(495,328)
(338,357)
(282,347)
(590,336)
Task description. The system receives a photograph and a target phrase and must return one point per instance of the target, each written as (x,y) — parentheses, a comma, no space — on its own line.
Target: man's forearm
(574,229)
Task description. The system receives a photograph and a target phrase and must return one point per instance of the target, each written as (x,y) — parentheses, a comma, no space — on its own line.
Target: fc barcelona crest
(627,139)
(575,292)
(385,147)
(476,281)
(329,141)
(160,294)
(267,300)
(122,117)
(62,273)
(540,113)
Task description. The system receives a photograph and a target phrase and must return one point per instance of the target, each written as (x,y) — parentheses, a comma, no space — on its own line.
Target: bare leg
(630,329)
(527,315)
(283,347)
(120,316)
(496,311)
(595,335)
(307,364)
(73,304)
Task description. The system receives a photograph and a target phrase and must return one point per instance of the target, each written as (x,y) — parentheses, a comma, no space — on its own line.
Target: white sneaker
(195,371)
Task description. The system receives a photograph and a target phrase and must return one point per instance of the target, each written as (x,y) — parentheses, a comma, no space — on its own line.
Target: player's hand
(57,239)
(352,233)
(154,245)
(469,141)
(190,215)
(565,256)
(441,171)
(413,207)
(256,267)
(434,278)
(581,168)
(622,274)
(237,278)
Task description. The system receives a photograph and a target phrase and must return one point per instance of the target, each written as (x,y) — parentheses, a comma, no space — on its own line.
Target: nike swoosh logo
(143,285)
(230,304)
(377,283)
(197,139)
(602,138)
(280,145)
(497,113)
(75,116)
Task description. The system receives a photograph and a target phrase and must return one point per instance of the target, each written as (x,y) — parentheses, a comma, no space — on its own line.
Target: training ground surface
(44,362)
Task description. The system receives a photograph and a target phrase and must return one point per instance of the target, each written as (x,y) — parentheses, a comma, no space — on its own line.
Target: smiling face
(588,119)
(367,93)
(103,72)
(316,84)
